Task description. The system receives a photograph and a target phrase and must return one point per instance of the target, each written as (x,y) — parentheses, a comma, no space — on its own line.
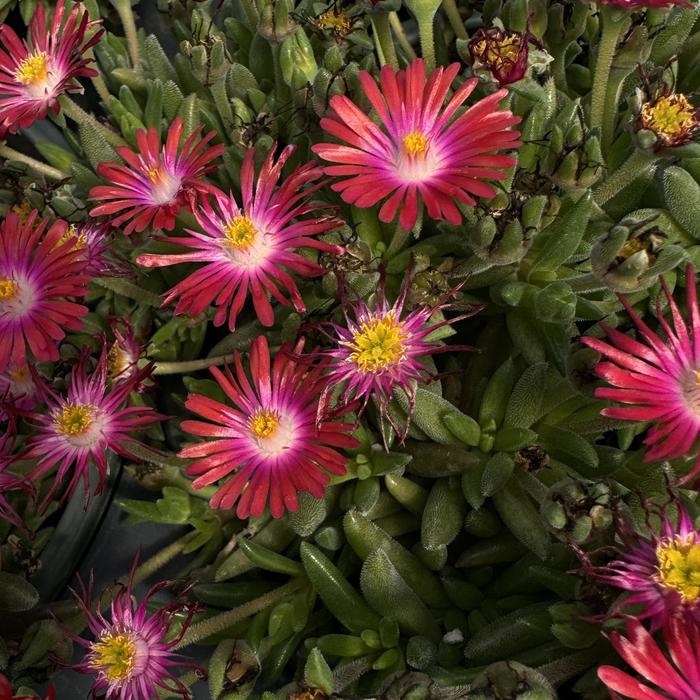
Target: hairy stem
(79,115)
(191,365)
(454,18)
(36,165)
(382,32)
(636,165)
(126,15)
(400,34)
(129,290)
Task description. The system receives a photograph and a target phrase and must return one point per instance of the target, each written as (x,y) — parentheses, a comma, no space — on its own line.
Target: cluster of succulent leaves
(445,567)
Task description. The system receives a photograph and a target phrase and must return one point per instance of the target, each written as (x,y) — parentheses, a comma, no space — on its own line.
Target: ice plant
(123,355)
(656,379)
(673,674)
(378,351)
(423,150)
(156,182)
(660,568)
(84,426)
(248,250)
(89,239)
(270,440)
(131,654)
(6,692)
(17,384)
(503,53)
(40,271)
(671,117)
(34,73)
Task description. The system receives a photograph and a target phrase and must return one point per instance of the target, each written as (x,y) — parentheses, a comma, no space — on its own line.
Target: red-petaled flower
(6,692)
(503,53)
(270,437)
(636,4)
(656,379)
(157,182)
(422,151)
(84,426)
(132,652)
(249,249)
(379,351)
(674,675)
(34,74)
(40,269)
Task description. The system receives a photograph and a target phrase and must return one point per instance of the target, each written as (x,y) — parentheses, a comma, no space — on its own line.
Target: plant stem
(636,165)
(400,35)
(612,25)
(101,87)
(218,623)
(129,290)
(126,15)
(191,365)
(79,115)
(36,165)
(382,32)
(138,449)
(454,18)
(427,38)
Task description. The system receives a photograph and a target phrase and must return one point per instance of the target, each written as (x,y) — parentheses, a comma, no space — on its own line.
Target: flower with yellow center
(74,419)
(33,70)
(264,423)
(498,53)
(8,289)
(240,232)
(679,566)
(113,655)
(378,344)
(338,22)
(415,144)
(23,209)
(671,117)
(80,239)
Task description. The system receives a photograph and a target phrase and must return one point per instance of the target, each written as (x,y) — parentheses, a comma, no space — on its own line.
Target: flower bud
(501,54)
(669,117)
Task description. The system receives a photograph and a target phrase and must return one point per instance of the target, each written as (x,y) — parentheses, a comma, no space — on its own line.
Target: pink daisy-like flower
(90,240)
(659,569)
(123,356)
(675,674)
(424,152)
(157,182)
(270,437)
(131,654)
(248,248)
(17,383)
(34,74)
(657,379)
(81,428)
(378,352)
(39,270)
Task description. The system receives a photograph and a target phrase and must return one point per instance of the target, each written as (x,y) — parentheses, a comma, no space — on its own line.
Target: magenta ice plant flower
(672,673)
(34,73)
(156,182)
(267,446)
(422,150)
(84,426)
(250,250)
(41,273)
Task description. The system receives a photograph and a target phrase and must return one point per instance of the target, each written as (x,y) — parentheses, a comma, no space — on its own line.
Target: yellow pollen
(8,289)
(113,654)
(498,53)
(679,566)
(19,374)
(240,232)
(378,344)
(672,116)
(80,239)
(33,69)
(415,143)
(74,420)
(155,175)
(264,423)
(337,21)
(23,209)
(117,360)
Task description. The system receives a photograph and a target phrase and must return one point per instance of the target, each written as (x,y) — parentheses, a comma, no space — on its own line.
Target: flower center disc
(338,21)
(679,566)
(8,289)
(498,53)
(415,144)
(240,232)
(378,344)
(671,116)
(33,70)
(114,655)
(74,420)
(264,423)
(165,185)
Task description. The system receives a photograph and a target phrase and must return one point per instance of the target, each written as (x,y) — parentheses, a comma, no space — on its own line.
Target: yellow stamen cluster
(33,69)
(113,655)
(155,175)
(23,209)
(338,22)
(671,117)
(378,344)
(19,374)
(240,232)
(498,52)
(117,360)
(74,420)
(264,423)
(79,239)
(415,143)
(679,566)
(8,289)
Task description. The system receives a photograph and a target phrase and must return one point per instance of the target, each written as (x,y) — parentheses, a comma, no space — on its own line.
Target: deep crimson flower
(6,691)
(84,426)
(249,249)
(657,379)
(157,182)
(34,74)
(40,268)
(422,150)
(270,437)
(503,53)
(674,675)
